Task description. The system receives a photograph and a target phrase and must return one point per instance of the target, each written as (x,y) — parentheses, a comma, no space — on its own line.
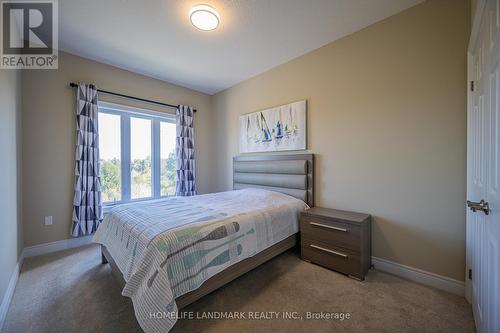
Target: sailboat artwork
(276,129)
(264,131)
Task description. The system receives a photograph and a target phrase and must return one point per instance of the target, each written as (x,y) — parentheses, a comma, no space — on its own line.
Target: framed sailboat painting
(276,129)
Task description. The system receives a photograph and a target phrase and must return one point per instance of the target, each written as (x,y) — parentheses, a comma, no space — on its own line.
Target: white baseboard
(418,275)
(7,297)
(64,244)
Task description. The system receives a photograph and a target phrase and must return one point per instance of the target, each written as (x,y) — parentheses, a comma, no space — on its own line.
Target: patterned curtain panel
(87,203)
(185,175)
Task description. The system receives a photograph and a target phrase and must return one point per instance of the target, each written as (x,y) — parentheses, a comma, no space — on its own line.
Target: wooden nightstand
(337,239)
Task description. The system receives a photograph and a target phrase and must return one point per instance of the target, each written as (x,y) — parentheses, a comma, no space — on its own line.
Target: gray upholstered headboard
(292,174)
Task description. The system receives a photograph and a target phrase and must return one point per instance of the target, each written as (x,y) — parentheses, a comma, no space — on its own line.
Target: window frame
(125,113)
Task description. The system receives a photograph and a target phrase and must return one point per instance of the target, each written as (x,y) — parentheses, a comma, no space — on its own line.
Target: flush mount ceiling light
(204,17)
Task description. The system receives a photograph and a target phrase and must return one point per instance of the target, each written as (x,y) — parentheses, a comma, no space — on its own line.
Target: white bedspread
(168,247)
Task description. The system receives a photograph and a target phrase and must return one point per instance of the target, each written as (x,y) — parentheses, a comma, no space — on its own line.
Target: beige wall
(11,237)
(387,122)
(49,135)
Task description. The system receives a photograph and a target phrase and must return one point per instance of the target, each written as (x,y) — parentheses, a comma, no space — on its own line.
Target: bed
(170,252)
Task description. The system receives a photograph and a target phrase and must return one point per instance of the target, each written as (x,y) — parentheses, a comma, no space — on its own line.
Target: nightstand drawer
(339,259)
(331,232)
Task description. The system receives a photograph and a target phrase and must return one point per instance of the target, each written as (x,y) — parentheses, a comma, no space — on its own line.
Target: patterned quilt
(168,247)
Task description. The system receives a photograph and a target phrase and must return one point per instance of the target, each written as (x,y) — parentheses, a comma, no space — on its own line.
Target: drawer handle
(328,226)
(340,254)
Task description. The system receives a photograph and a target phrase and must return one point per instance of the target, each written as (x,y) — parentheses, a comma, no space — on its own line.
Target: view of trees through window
(140,156)
(110,179)
(110,156)
(167,158)
(167,174)
(141,168)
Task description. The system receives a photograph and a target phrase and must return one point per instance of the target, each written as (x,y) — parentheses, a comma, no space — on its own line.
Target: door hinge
(470,274)
(471,85)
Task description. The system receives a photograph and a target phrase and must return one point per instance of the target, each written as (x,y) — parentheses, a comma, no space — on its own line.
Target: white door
(483,168)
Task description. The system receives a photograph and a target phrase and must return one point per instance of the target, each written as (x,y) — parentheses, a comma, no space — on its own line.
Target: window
(137,153)
(140,158)
(110,157)
(167,158)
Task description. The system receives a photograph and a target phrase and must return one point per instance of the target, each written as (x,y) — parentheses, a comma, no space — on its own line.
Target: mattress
(168,247)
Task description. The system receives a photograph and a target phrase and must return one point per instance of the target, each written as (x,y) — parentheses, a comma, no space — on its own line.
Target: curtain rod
(74,85)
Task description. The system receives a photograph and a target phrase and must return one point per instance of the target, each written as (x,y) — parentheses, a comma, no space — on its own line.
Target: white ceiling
(155,37)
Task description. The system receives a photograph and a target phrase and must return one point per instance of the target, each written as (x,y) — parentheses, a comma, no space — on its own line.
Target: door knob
(481,205)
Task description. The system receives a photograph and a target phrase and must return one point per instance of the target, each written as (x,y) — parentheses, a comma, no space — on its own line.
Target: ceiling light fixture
(204,17)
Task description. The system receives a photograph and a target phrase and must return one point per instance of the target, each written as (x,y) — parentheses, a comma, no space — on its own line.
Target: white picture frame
(281,128)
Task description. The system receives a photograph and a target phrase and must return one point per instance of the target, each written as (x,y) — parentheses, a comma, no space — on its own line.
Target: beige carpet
(71,291)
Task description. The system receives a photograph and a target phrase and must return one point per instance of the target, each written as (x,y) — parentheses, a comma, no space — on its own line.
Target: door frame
(476,24)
